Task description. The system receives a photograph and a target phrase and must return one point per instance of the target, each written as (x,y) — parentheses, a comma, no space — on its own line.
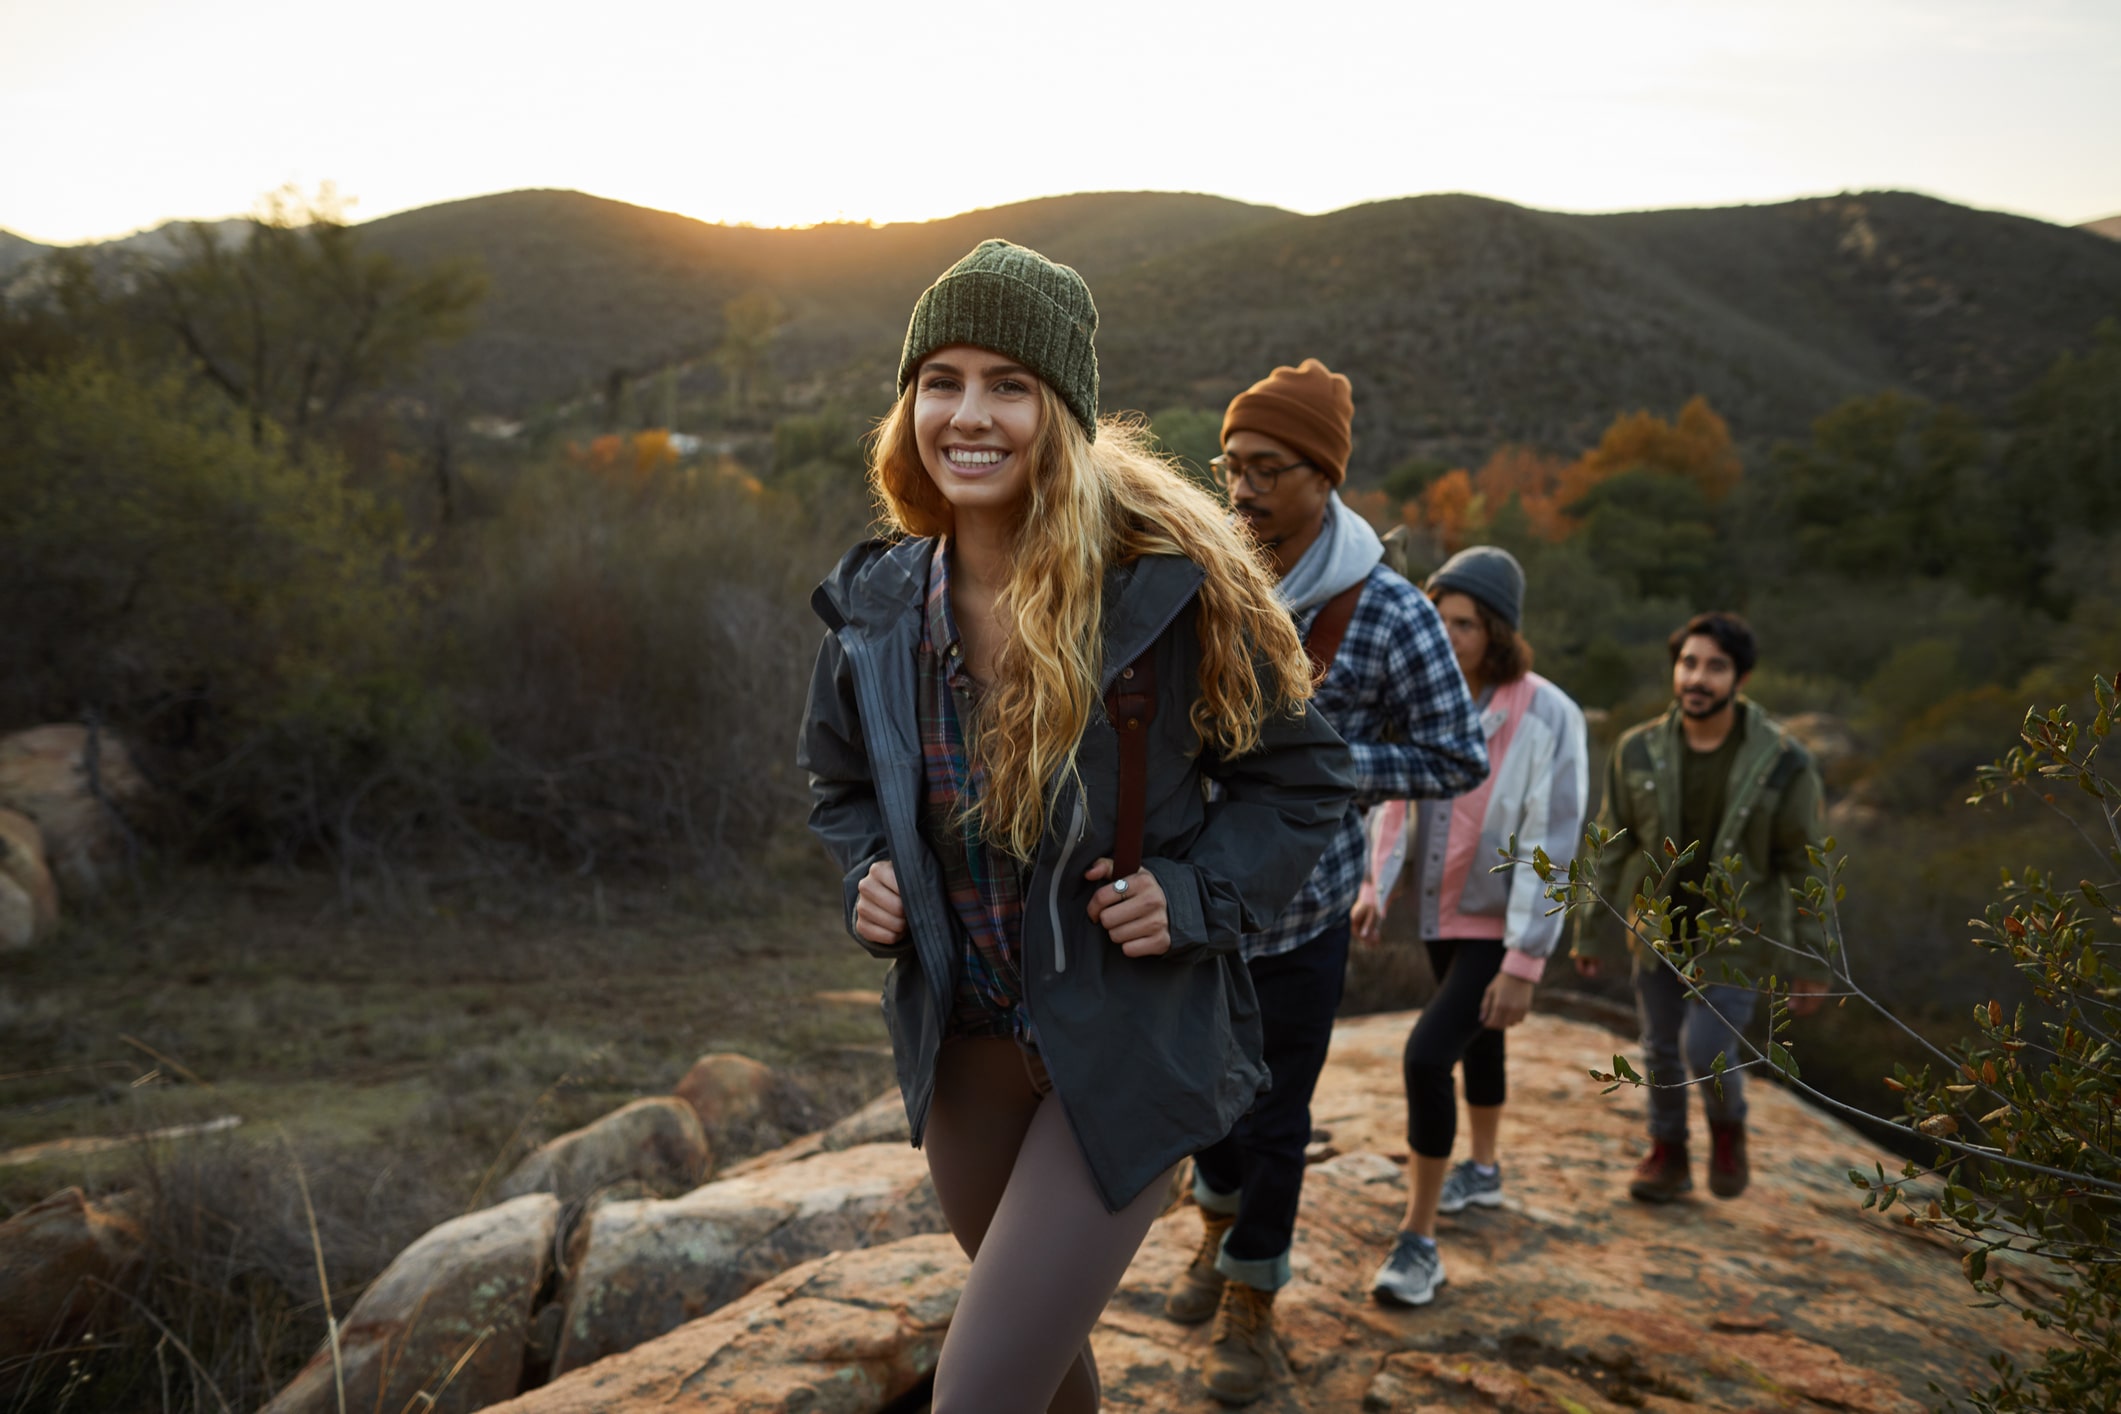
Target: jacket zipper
(1078,822)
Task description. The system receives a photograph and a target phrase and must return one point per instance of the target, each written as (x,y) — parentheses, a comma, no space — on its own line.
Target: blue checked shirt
(1394,669)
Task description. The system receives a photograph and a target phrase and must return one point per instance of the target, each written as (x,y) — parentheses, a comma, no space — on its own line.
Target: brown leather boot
(1663,1175)
(1241,1353)
(1199,1288)
(1729,1170)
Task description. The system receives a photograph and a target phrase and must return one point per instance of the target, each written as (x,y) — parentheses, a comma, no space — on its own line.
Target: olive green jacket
(1772,812)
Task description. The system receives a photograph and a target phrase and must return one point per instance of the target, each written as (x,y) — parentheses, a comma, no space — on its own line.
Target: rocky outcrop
(847,1334)
(445,1327)
(59,1261)
(647,1267)
(73,783)
(657,1142)
(29,902)
(881,1121)
(1568,1297)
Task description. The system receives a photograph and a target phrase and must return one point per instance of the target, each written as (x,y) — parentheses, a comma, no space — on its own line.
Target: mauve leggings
(1046,1255)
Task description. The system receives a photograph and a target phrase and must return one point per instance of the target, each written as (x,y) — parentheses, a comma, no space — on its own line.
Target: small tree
(749,323)
(298,318)
(2023,1113)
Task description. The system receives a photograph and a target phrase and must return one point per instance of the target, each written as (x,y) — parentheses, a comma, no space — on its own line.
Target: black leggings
(1450,1031)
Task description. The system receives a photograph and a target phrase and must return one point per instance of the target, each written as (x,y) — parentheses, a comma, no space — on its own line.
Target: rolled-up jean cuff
(1259,1273)
(1210,1201)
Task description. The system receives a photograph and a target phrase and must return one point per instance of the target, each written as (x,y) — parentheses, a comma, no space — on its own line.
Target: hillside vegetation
(1463,321)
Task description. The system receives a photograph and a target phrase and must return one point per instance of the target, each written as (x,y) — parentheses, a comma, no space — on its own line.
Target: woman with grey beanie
(1488,933)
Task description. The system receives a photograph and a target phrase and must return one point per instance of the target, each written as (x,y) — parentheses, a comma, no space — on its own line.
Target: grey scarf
(1343,555)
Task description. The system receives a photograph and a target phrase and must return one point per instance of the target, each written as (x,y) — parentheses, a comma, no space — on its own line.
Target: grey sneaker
(1412,1273)
(1466,1184)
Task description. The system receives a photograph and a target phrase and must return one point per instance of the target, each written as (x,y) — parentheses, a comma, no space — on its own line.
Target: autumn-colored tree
(1452,509)
(1696,445)
(1533,478)
(630,460)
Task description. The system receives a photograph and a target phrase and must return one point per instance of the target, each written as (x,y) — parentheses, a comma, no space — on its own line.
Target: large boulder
(73,783)
(846,1334)
(29,902)
(59,1261)
(729,1092)
(657,1142)
(444,1328)
(649,1266)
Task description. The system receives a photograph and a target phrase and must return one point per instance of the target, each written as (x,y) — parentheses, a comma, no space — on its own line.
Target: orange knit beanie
(1308,409)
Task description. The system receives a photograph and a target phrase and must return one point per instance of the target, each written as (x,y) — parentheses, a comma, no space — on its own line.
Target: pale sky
(119,114)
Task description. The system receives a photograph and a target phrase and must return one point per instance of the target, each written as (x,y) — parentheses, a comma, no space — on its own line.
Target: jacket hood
(872,580)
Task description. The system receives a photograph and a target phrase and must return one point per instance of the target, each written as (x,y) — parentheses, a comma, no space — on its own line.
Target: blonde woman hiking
(1488,934)
(1014,711)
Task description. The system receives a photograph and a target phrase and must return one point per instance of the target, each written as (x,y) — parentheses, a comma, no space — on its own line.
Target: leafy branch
(2025,1113)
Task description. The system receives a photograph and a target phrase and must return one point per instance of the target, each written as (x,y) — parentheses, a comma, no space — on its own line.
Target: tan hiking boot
(1199,1288)
(1663,1175)
(1729,1169)
(1241,1350)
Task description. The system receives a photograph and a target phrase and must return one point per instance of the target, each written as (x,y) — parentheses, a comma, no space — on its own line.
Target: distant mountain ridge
(2108,226)
(1462,320)
(157,241)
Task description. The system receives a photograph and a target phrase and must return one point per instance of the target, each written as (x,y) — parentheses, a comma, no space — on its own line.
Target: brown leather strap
(1331,625)
(1131,704)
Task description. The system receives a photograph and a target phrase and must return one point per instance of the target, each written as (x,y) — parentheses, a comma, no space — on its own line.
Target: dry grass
(405,1059)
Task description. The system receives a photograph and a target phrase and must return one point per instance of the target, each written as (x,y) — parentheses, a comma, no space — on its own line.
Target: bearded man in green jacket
(1718,772)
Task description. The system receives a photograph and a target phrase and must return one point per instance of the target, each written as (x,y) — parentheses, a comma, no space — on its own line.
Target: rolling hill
(1463,321)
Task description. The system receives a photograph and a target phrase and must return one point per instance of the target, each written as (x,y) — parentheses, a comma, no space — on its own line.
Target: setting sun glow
(123,113)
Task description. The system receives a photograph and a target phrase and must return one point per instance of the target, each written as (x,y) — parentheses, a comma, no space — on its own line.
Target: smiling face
(975,419)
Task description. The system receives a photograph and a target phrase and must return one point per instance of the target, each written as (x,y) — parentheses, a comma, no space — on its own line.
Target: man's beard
(1251,523)
(1702,713)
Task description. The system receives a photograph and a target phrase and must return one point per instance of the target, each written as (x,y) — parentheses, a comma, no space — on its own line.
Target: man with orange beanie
(1392,688)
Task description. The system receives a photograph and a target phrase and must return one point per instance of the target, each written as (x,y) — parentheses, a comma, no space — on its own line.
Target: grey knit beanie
(1488,573)
(1021,305)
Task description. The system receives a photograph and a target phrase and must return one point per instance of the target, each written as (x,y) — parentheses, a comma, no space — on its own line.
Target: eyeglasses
(1228,472)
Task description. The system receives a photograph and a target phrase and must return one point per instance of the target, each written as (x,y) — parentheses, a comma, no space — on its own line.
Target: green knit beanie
(1022,306)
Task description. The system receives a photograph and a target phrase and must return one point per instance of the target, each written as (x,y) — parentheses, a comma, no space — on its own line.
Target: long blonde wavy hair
(1092,504)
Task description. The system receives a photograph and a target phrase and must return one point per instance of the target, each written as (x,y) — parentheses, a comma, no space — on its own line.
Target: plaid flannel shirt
(1394,670)
(985,884)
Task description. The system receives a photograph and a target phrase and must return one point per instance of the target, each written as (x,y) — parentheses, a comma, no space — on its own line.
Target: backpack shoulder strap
(1131,704)
(1322,643)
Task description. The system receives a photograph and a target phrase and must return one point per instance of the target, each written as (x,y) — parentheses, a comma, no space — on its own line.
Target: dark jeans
(1450,1031)
(1258,1167)
(1680,1034)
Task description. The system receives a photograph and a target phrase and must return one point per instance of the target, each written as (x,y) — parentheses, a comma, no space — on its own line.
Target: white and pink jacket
(1535,791)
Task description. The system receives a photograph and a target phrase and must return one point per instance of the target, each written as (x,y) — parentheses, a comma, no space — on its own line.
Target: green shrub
(244,607)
